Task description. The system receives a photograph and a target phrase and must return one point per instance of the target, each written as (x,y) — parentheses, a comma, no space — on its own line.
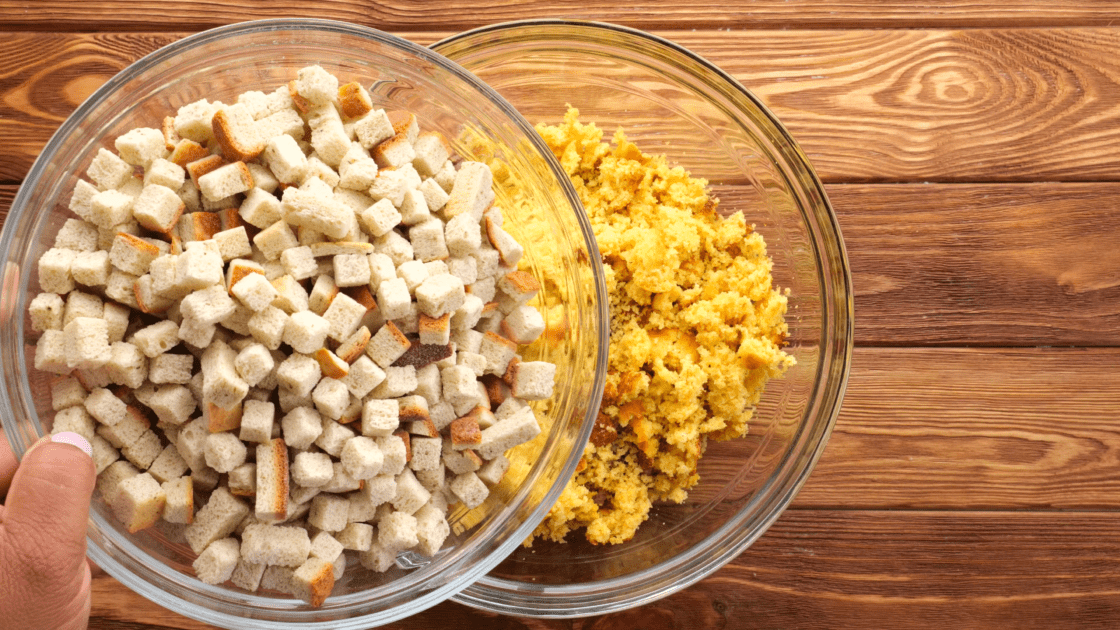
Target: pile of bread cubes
(297,312)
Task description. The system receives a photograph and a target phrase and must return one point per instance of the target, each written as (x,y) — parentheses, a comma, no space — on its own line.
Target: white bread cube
(413,273)
(260,209)
(275,240)
(394,454)
(158,207)
(284,121)
(431,151)
(268,325)
(312,470)
(257,418)
(306,332)
(322,293)
(225,181)
(110,208)
(168,465)
(76,420)
(357,169)
(224,452)
(299,262)
(285,158)
(393,298)
(498,351)
(429,385)
(463,235)
(469,313)
(532,380)
(108,484)
(216,520)
(380,417)
(46,312)
(459,384)
(470,489)
(179,505)
(493,470)
(192,121)
(373,128)
(387,345)
(298,374)
(361,457)
(316,85)
(411,494)
(329,512)
(426,452)
(414,208)
(162,172)
(208,306)
(205,479)
(164,272)
(433,479)
(91,269)
(325,546)
(279,545)
(237,133)
(356,536)
(341,481)
(108,170)
(54,271)
(141,146)
(390,184)
(254,363)
(222,385)
(77,236)
(439,295)
(233,243)
(272,480)
(333,437)
(380,217)
(314,206)
(434,195)
(378,558)
(351,270)
(317,169)
(344,313)
(472,192)
(242,481)
(87,343)
(397,531)
(79,304)
(476,362)
(516,429)
(117,319)
(81,198)
(313,581)
(331,398)
(67,392)
(143,450)
(398,248)
(363,376)
(301,427)
(523,325)
(382,268)
(406,123)
(247,575)
(165,368)
(138,502)
(191,443)
(199,267)
(509,250)
(464,268)
(157,339)
(428,241)
(255,292)
(398,382)
(172,404)
(431,530)
(276,578)
(394,152)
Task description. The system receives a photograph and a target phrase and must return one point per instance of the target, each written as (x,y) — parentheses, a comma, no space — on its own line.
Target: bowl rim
(617,594)
(445,584)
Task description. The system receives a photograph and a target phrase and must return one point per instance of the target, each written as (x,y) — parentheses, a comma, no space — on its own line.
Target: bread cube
(394,454)
(411,494)
(313,581)
(398,248)
(255,292)
(77,236)
(361,457)
(67,392)
(138,502)
(356,536)
(315,207)
(272,480)
(54,271)
(242,480)
(199,268)
(268,325)
(329,512)
(224,452)
(331,398)
(158,207)
(435,330)
(498,351)
(373,128)
(257,418)
(434,195)
(179,505)
(463,235)
(428,241)
(46,312)
(247,575)
(397,531)
(509,251)
(254,363)
(393,298)
(301,427)
(470,489)
(306,332)
(439,295)
(91,269)
(168,465)
(108,170)
(86,343)
(312,470)
(167,368)
(278,545)
(431,530)
(275,240)
(426,452)
(237,133)
(225,181)
(351,270)
(387,345)
(172,404)
(471,193)
(157,339)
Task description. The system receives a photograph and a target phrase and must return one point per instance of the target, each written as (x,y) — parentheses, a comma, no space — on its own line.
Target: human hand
(44,576)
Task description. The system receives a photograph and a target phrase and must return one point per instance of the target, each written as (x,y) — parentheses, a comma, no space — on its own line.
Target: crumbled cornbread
(697,329)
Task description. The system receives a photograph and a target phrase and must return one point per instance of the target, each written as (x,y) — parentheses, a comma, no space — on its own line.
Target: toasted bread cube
(243,480)
(268,325)
(170,368)
(54,271)
(237,133)
(225,181)
(138,502)
(278,545)
(329,512)
(353,100)
(86,343)
(405,123)
(533,380)
(435,330)
(108,170)
(77,236)
(168,465)
(470,489)
(316,85)
(498,351)
(394,152)
(224,452)
(387,345)
(255,292)
(46,312)
(313,581)
(179,505)
(260,209)
(291,296)
(312,470)
(439,295)
(331,398)
(397,531)
(272,480)
(301,427)
(411,494)
(509,251)
(465,433)
(187,151)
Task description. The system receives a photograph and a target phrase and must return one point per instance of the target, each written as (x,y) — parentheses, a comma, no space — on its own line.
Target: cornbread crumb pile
(697,329)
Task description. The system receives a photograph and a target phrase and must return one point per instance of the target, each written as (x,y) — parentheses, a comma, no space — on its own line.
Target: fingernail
(73,439)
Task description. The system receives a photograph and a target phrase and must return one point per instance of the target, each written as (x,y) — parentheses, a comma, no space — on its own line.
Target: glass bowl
(219,64)
(669,100)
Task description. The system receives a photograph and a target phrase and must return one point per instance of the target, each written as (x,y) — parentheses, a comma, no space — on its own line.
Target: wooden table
(972,152)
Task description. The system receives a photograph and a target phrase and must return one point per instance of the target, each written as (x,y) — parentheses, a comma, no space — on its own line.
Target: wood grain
(55,15)
(973,264)
(974,429)
(981,105)
(839,569)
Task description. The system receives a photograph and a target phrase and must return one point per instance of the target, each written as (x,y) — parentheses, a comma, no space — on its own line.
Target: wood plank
(973,264)
(974,429)
(53,15)
(839,569)
(978,105)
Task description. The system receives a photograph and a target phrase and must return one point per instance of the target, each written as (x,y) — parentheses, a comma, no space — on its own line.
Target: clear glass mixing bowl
(669,100)
(220,64)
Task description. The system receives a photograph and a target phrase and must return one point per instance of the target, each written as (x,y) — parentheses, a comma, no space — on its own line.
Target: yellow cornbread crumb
(697,329)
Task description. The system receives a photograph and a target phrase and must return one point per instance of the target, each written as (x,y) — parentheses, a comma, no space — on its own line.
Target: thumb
(47,507)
